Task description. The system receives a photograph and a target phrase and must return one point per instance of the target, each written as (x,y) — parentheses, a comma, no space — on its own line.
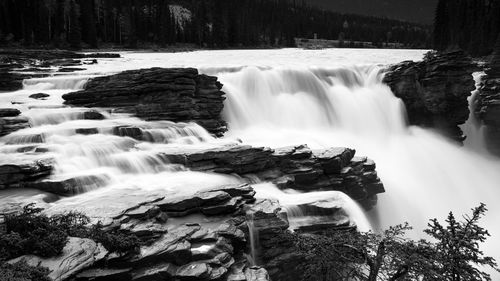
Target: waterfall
(425,175)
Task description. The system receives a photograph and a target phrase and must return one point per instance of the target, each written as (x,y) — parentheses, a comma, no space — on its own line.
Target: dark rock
(87,131)
(70,186)
(487,107)
(39,96)
(11,124)
(435,90)
(18,174)
(93,115)
(176,94)
(70,69)
(292,167)
(9,112)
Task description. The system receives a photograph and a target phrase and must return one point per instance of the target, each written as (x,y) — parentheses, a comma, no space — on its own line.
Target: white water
(322,98)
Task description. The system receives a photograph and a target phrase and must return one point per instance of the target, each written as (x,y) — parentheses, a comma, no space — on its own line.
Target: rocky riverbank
(435,90)
(15,65)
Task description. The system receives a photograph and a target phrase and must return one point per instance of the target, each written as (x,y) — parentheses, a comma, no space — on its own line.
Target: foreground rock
(488,104)
(175,94)
(77,254)
(296,167)
(435,90)
(174,247)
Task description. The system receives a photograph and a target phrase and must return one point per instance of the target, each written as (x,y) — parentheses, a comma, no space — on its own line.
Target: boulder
(435,90)
(79,253)
(175,94)
(39,96)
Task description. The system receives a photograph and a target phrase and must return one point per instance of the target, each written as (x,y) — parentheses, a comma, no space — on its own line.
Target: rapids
(275,98)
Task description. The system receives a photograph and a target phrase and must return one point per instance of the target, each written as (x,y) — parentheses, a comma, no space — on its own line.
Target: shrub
(23,272)
(32,232)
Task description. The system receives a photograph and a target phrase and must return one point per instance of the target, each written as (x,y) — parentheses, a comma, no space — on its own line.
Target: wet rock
(157,272)
(194,203)
(175,94)
(87,131)
(435,90)
(79,253)
(488,103)
(194,271)
(70,186)
(93,115)
(172,247)
(18,174)
(39,96)
(11,124)
(9,112)
(256,274)
(104,274)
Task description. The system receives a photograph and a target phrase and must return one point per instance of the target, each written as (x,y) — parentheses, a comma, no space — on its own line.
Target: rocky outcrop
(17,174)
(488,103)
(175,94)
(173,249)
(11,121)
(77,254)
(435,90)
(296,167)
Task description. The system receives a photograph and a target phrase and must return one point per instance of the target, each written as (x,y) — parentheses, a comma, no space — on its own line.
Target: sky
(421,11)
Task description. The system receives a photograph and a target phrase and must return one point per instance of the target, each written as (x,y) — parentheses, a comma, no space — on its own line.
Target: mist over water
(322,98)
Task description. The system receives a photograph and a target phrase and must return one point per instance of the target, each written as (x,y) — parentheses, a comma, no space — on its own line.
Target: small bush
(118,242)
(32,232)
(23,272)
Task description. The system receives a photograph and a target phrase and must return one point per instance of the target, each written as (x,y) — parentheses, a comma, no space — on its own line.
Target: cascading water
(425,175)
(274,98)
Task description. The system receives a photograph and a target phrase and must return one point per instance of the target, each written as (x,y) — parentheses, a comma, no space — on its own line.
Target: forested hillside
(206,23)
(473,25)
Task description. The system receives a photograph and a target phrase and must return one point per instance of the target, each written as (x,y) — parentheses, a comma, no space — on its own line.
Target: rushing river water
(322,98)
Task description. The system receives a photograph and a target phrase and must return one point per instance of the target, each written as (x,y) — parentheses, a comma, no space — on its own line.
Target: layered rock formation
(296,167)
(175,94)
(200,236)
(435,90)
(488,103)
(25,171)
(11,121)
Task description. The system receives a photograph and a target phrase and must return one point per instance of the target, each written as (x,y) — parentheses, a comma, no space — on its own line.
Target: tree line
(472,25)
(205,23)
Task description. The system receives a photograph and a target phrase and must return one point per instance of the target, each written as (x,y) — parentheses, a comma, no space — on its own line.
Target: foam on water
(275,98)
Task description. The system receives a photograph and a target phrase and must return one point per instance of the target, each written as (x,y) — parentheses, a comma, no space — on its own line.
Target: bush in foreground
(32,232)
(452,255)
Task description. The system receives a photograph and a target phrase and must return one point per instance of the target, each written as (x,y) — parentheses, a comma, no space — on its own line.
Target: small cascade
(56,83)
(316,207)
(253,234)
(473,128)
